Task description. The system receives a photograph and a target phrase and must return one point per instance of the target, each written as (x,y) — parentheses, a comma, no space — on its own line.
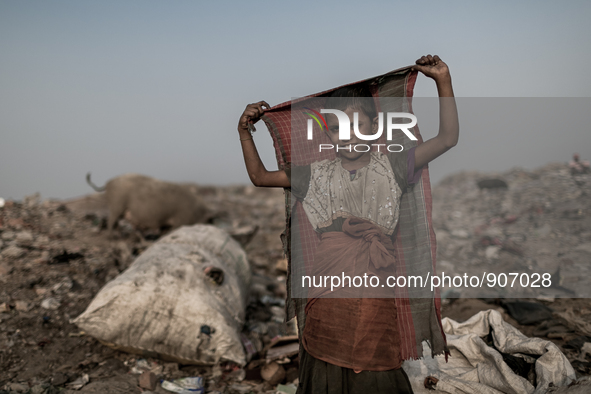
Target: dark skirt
(319,377)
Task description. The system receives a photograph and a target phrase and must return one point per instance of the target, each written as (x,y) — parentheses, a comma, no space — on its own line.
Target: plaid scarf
(419,315)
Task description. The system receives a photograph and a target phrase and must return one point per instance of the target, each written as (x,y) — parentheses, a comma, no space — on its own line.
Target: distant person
(579,167)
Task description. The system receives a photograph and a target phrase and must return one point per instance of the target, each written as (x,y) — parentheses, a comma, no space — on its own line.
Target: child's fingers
(428,60)
(254,111)
(417,67)
(251,112)
(260,108)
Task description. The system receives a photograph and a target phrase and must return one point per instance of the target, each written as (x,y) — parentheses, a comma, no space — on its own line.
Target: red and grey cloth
(419,308)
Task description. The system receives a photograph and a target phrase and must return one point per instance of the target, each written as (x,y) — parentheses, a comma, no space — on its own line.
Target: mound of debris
(56,255)
(521,222)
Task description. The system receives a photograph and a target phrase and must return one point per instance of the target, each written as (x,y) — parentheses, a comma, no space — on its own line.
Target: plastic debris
(79,383)
(50,303)
(248,347)
(185,385)
(282,347)
(287,388)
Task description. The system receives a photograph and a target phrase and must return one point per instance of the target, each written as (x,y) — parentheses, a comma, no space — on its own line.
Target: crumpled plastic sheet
(474,367)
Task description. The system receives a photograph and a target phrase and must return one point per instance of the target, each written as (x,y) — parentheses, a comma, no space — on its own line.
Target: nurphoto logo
(345,129)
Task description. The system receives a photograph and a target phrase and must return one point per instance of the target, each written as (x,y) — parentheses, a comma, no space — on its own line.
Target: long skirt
(319,377)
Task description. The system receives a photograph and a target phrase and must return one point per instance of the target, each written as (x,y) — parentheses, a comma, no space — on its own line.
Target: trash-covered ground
(56,255)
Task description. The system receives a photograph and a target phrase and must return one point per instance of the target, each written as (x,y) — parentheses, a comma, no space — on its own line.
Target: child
(351,344)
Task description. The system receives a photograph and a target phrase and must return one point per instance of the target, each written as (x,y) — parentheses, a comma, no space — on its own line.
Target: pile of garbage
(56,256)
(517,222)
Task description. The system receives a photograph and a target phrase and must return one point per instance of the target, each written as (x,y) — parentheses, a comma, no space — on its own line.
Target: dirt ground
(56,255)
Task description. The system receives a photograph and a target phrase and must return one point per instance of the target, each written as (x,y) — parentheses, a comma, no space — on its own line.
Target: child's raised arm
(449,128)
(257,172)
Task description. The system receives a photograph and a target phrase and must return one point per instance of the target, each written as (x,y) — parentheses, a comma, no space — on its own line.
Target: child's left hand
(432,67)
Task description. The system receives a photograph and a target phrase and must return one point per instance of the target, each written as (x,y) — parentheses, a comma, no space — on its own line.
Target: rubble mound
(56,255)
(539,223)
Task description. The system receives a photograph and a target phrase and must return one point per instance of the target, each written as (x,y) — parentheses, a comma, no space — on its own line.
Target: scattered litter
(269,300)
(142,365)
(76,334)
(50,303)
(79,383)
(282,347)
(280,352)
(288,388)
(237,375)
(248,346)
(585,350)
(467,221)
(191,385)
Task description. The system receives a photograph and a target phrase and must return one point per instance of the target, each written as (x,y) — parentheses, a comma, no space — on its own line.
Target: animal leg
(114,216)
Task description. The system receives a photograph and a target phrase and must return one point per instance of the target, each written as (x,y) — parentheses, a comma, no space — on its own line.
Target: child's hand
(432,67)
(252,113)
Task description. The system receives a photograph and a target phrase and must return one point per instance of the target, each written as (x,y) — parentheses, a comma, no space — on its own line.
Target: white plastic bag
(165,305)
(476,368)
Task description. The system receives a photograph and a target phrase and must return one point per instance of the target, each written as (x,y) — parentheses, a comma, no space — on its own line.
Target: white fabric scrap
(476,368)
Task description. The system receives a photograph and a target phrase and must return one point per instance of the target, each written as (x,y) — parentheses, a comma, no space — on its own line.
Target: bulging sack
(183,299)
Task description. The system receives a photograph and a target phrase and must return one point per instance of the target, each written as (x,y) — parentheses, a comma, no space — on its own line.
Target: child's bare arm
(256,169)
(449,128)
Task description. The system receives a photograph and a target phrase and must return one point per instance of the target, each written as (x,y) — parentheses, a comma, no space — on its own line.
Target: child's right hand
(252,113)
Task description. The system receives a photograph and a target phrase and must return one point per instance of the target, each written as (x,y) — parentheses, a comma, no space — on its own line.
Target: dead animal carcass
(151,204)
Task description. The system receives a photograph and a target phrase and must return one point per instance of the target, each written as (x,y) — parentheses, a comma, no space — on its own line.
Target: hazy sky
(156,87)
